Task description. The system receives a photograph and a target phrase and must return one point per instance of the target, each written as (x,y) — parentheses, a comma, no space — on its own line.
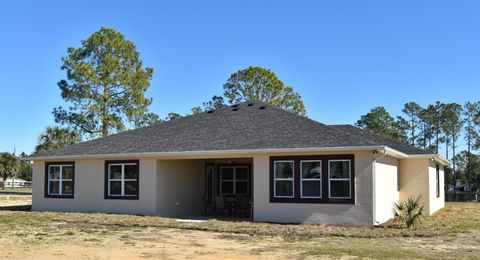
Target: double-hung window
(312,179)
(339,174)
(283,183)
(59,180)
(311,176)
(122,180)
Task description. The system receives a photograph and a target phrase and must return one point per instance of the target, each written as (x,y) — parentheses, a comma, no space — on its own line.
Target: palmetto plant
(409,211)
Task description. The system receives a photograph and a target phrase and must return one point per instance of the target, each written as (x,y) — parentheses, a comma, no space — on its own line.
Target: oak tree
(257,83)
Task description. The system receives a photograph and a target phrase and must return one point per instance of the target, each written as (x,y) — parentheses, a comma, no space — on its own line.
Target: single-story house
(292,169)
(15,183)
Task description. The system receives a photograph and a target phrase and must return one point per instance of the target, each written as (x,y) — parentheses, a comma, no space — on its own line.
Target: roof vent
(262,107)
(250,104)
(210,111)
(235,109)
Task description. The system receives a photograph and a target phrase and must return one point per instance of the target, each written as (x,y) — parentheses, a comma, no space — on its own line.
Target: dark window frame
(59,196)
(325,179)
(218,177)
(437,180)
(121,197)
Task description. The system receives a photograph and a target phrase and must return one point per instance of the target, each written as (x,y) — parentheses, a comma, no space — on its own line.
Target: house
(292,169)
(15,183)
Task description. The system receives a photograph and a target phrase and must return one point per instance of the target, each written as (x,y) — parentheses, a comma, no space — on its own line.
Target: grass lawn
(16,191)
(452,233)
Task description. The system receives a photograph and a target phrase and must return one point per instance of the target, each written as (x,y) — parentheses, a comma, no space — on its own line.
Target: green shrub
(409,211)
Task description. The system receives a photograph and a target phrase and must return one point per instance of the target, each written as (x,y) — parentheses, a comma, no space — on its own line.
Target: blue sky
(343,57)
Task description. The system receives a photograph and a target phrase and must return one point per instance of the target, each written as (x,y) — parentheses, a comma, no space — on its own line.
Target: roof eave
(209,153)
(434,157)
(242,152)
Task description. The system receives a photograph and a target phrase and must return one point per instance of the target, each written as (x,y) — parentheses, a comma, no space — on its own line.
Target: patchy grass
(16,191)
(453,232)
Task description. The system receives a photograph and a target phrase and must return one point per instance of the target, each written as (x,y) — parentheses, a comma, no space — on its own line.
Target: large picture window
(234,180)
(339,175)
(121,179)
(59,179)
(283,179)
(311,173)
(312,179)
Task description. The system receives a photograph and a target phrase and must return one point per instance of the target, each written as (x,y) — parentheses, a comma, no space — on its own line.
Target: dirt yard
(453,233)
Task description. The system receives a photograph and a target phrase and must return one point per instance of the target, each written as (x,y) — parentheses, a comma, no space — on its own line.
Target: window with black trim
(59,179)
(312,179)
(437,180)
(121,179)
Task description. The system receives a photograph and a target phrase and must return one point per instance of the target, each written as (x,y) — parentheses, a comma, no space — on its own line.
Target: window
(339,179)
(59,179)
(283,179)
(311,186)
(121,180)
(234,180)
(312,179)
(437,179)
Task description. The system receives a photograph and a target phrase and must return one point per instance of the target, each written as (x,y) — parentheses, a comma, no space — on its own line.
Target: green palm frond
(409,211)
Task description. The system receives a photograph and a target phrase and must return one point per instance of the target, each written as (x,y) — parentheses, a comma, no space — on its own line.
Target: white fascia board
(395,153)
(435,157)
(385,149)
(211,153)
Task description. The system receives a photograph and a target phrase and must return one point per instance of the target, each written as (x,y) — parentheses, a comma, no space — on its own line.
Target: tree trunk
(469,169)
(105,122)
(413,132)
(453,169)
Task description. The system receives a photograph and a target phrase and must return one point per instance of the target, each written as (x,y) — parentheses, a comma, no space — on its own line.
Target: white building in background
(16,183)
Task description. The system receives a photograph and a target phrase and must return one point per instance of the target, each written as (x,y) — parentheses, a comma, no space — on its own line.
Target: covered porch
(192,188)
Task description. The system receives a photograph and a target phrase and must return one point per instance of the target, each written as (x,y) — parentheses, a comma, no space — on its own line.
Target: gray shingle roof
(249,125)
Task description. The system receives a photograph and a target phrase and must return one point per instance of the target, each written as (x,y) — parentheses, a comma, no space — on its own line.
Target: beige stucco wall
(180,187)
(417,176)
(358,213)
(89,190)
(174,187)
(414,179)
(434,202)
(386,193)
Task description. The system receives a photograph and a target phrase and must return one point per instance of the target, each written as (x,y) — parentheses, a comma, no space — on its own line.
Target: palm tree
(9,166)
(56,137)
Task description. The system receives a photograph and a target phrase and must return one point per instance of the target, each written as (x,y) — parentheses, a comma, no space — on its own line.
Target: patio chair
(219,204)
(243,205)
(207,206)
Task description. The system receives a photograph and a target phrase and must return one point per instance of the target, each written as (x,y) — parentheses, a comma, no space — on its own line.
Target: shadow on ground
(17,208)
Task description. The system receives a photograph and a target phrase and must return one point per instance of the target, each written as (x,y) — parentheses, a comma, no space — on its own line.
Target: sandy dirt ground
(59,240)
